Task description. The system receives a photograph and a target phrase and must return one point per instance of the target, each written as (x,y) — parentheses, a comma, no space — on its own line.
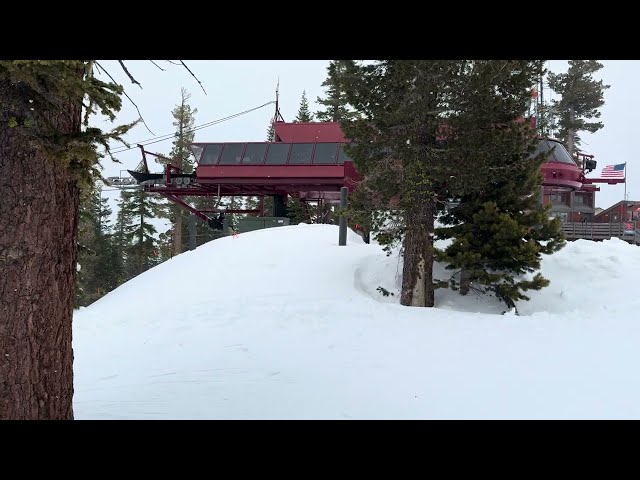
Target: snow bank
(284,323)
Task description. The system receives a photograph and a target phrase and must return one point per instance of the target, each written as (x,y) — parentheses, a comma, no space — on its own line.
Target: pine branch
(185,66)
(133,80)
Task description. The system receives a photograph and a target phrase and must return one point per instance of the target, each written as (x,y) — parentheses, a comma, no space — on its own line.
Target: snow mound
(284,323)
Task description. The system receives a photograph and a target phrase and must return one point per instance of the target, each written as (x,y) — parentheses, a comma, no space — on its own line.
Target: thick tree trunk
(38,224)
(465,282)
(417,273)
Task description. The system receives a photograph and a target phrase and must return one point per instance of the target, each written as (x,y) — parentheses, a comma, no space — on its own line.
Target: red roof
(309,132)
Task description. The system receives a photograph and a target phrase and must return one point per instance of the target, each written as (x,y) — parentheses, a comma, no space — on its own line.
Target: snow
(285,324)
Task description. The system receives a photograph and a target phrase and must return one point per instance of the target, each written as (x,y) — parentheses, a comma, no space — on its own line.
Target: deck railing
(628,231)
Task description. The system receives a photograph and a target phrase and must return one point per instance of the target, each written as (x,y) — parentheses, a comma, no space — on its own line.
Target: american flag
(614,171)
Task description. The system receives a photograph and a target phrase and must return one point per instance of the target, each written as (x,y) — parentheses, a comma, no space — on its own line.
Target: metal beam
(185,206)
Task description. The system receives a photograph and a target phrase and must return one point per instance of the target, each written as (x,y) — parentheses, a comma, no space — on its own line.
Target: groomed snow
(285,324)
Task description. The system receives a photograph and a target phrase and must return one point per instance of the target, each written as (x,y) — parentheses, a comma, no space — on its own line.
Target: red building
(616,213)
(308,161)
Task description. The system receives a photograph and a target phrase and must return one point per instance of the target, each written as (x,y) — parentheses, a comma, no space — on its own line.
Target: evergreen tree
(500,236)
(426,136)
(499,229)
(335,102)
(100,262)
(296,211)
(304,114)
(271,132)
(137,208)
(581,97)
(86,248)
(181,157)
(400,106)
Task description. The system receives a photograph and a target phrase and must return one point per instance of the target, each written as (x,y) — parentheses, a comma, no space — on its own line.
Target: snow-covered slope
(284,323)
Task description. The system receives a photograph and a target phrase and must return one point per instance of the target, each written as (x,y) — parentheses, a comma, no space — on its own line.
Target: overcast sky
(235,86)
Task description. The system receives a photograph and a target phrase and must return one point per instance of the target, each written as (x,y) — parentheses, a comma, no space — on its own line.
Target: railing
(628,231)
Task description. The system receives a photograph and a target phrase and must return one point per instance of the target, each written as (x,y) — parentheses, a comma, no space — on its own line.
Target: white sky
(233,86)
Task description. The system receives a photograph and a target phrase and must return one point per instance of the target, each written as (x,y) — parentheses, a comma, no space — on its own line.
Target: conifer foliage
(581,96)
(435,131)
(336,107)
(304,114)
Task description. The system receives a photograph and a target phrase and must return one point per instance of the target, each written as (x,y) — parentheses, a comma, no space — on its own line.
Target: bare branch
(157,65)
(172,62)
(126,95)
(133,80)
(185,66)
(100,67)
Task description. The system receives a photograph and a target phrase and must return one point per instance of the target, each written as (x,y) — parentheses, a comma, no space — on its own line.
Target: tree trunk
(177,233)
(39,203)
(417,273)
(465,282)
(570,132)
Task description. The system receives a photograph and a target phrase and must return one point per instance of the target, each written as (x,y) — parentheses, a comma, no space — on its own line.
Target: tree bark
(417,273)
(570,132)
(177,233)
(465,282)
(39,203)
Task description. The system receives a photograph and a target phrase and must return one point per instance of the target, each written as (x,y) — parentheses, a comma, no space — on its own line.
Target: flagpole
(625,192)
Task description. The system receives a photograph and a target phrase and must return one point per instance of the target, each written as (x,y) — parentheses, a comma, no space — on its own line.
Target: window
(582,199)
(254,154)
(559,199)
(278,153)
(343,155)
(301,153)
(326,153)
(197,151)
(232,154)
(558,152)
(211,154)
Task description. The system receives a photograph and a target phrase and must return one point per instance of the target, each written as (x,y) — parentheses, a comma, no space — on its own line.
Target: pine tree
(426,137)
(86,244)
(400,106)
(137,208)
(581,97)
(100,266)
(499,229)
(181,157)
(337,108)
(271,132)
(296,211)
(304,114)
(502,236)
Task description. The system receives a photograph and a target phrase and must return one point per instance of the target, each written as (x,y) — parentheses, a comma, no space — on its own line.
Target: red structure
(308,161)
(305,160)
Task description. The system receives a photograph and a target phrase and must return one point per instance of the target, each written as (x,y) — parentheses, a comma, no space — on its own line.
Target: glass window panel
(301,153)
(232,154)
(326,153)
(197,151)
(559,153)
(278,153)
(211,153)
(254,153)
